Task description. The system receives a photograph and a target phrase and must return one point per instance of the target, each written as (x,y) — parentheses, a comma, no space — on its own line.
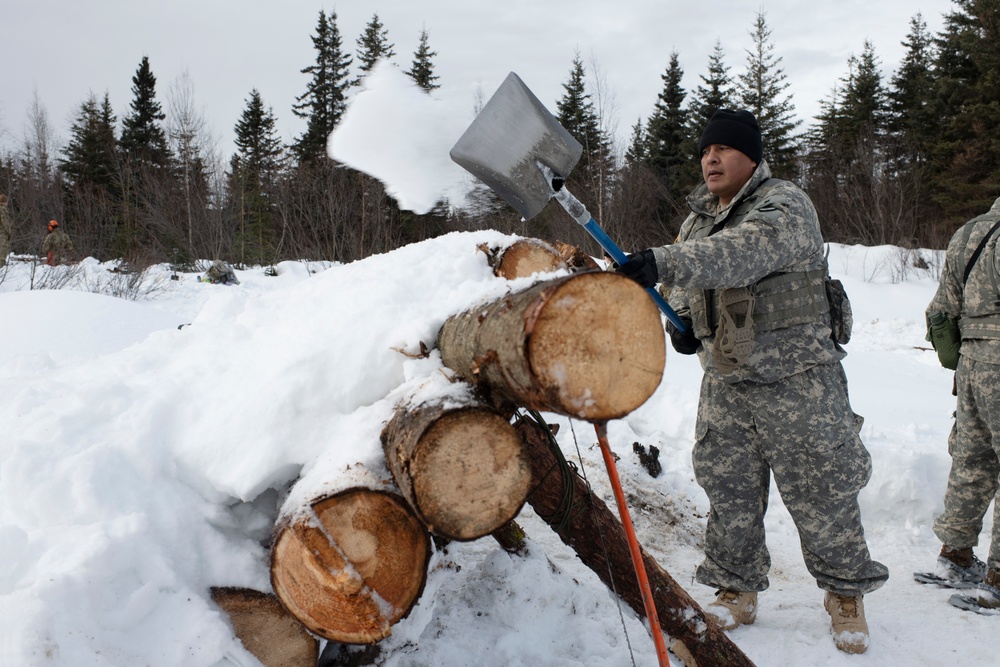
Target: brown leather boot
(988,591)
(960,566)
(732,609)
(848,624)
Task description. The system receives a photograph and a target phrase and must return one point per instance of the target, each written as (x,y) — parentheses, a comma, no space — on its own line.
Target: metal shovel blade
(506,141)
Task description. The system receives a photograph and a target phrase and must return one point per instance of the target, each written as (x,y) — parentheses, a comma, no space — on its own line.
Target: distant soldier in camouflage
(967,302)
(220,273)
(6,231)
(747,275)
(57,245)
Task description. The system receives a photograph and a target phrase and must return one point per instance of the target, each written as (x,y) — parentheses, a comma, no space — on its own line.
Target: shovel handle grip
(615,253)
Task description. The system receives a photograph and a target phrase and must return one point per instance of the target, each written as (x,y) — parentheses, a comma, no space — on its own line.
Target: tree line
(901,161)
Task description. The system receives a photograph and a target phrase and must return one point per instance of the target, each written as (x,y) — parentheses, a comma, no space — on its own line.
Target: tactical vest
(781,299)
(981,297)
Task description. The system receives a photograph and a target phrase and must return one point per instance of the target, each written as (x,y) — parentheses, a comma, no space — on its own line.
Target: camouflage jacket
(59,244)
(6,232)
(974,302)
(764,231)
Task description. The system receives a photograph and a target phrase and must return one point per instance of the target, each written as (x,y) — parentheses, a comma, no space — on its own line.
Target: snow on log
(351,566)
(565,502)
(462,468)
(589,345)
(265,627)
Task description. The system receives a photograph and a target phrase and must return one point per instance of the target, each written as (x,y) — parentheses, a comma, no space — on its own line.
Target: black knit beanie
(736,129)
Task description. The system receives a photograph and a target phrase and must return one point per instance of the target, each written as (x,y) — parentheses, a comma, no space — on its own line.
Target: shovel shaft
(580,214)
(633,545)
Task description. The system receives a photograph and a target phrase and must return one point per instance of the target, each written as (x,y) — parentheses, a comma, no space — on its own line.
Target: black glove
(640,267)
(685,342)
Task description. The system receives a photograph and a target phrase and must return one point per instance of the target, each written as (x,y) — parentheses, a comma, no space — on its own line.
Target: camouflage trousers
(802,430)
(974,445)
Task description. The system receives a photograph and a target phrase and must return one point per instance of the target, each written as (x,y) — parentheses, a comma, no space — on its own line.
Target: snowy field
(141,464)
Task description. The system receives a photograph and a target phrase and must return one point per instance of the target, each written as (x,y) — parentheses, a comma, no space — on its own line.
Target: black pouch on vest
(841,317)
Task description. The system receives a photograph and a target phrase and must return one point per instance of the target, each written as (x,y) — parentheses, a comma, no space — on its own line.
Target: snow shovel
(517,148)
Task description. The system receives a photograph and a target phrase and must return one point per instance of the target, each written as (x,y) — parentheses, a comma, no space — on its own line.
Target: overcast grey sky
(64,49)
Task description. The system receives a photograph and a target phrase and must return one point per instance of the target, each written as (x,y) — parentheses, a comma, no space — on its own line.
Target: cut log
(564,501)
(589,345)
(351,566)
(462,468)
(527,256)
(266,629)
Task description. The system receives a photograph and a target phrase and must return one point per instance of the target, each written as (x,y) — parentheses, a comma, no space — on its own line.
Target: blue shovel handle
(615,253)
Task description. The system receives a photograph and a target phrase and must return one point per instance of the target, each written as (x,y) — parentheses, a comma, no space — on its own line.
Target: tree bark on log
(579,517)
(266,629)
(589,345)
(463,470)
(576,258)
(351,566)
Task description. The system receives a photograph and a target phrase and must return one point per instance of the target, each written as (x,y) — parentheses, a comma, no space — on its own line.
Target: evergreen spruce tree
(636,151)
(863,112)
(716,91)
(373,45)
(254,170)
(143,140)
(669,148)
(967,147)
(761,90)
(325,100)
(92,183)
(89,159)
(820,138)
(422,70)
(576,113)
(911,94)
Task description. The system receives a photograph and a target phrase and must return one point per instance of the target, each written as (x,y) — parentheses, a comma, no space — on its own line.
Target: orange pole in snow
(633,546)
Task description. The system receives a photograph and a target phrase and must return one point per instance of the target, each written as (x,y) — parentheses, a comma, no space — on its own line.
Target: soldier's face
(725,171)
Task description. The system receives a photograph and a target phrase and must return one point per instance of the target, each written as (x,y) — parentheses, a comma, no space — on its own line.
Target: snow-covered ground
(139,463)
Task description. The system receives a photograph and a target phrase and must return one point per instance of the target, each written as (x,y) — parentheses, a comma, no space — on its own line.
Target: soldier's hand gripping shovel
(517,148)
(523,154)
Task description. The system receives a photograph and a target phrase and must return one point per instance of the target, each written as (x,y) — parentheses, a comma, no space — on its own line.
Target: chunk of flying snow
(397,132)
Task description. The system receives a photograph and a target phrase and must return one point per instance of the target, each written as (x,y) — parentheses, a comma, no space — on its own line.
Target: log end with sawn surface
(352,565)
(525,257)
(463,470)
(590,345)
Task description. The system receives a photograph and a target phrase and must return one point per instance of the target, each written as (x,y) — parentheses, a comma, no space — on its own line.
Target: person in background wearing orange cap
(57,245)
(6,231)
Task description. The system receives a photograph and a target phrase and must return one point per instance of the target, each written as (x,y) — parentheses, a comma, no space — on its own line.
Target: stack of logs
(588,345)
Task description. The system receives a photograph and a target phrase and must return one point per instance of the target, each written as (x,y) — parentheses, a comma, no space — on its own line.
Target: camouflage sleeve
(782,230)
(948,297)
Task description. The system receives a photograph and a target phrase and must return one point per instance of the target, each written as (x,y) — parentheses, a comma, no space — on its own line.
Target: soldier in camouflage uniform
(968,295)
(57,245)
(747,275)
(220,273)
(6,231)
